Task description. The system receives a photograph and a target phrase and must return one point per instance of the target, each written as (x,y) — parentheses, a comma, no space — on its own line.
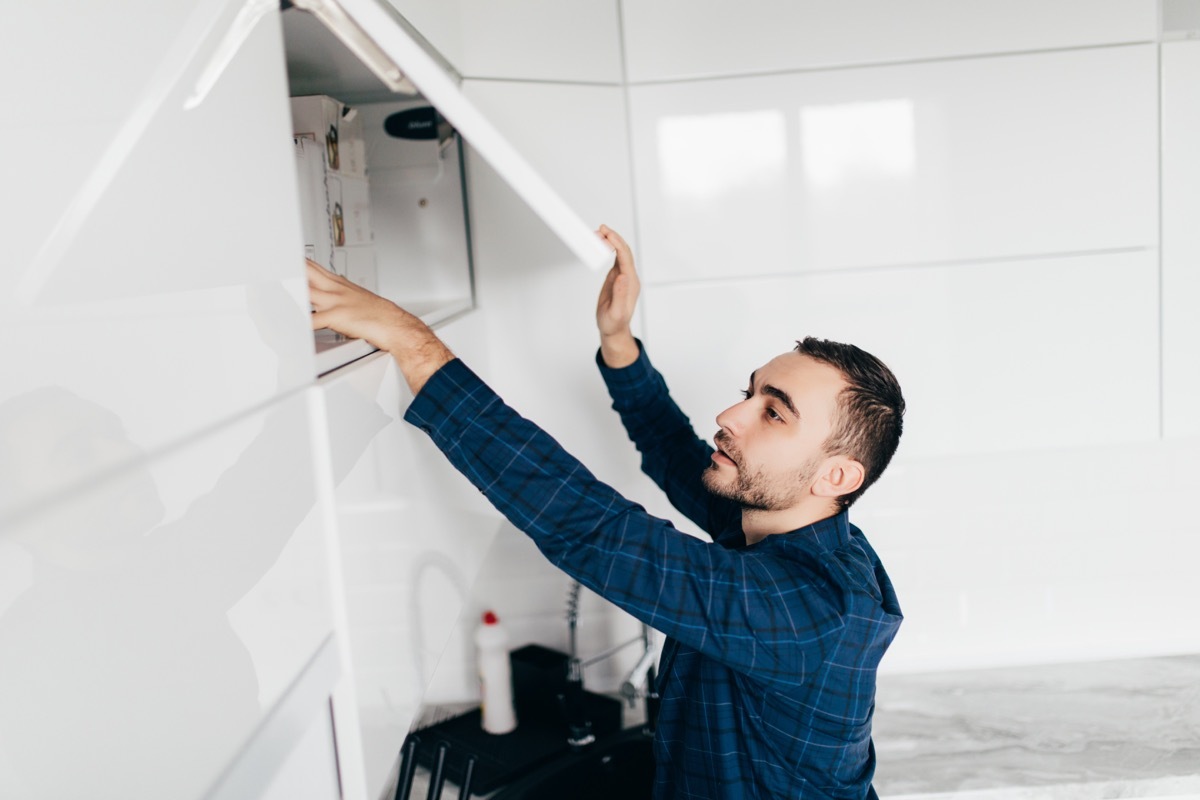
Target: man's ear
(841,475)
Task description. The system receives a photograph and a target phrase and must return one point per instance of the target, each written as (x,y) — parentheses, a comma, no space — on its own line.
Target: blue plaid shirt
(768,672)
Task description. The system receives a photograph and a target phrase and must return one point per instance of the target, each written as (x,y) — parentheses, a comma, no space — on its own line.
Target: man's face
(770,446)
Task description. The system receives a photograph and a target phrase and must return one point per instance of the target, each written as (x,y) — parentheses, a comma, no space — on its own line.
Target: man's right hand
(615,307)
(349,309)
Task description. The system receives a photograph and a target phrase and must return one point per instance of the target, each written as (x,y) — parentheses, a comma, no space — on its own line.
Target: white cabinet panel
(171,293)
(440,23)
(1007,356)
(80,84)
(1181,238)
(573,135)
(909,164)
(154,619)
(686,39)
(542,40)
(523,39)
(311,769)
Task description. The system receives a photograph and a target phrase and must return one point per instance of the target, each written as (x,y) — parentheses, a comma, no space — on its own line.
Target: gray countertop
(1102,729)
(1106,729)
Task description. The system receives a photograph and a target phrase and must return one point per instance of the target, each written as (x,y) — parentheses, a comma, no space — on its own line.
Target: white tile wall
(1024,355)
(1181,238)
(687,39)
(413,533)
(1076,554)
(907,164)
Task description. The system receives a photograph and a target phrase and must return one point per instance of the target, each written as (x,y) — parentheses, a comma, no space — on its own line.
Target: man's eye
(746,393)
(773,414)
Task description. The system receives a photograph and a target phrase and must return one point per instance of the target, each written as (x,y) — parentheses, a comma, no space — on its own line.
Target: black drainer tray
(502,758)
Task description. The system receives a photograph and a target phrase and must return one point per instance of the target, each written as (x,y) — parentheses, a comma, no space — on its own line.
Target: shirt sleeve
(673,456)
(750,613)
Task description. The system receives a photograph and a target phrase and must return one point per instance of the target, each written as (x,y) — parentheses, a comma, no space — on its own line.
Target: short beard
(757,491)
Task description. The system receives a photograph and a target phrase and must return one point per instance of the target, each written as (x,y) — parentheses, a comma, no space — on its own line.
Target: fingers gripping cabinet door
(352,66)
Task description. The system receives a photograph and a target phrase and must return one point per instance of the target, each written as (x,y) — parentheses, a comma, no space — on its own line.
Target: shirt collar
(830,533)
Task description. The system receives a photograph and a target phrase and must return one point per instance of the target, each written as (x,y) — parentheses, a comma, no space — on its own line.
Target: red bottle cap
(490,618)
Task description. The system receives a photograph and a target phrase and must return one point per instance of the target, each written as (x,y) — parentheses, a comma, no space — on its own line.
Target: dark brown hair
(870,412)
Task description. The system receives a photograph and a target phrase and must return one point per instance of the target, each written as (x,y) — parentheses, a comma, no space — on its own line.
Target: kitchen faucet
(639,681)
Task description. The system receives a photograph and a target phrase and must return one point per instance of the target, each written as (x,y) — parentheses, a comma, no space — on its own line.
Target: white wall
(975,201)
(979,204)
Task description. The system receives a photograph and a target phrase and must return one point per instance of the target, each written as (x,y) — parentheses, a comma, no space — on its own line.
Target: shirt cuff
(628,379)
(448,402)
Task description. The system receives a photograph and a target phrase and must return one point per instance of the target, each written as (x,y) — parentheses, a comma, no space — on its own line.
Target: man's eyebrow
(777,393)
(781,396)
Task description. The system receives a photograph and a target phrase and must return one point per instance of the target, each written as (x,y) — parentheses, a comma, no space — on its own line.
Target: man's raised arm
(355,312)
(615,306)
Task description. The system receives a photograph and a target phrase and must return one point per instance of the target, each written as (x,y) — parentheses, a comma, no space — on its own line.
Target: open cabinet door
(381,39)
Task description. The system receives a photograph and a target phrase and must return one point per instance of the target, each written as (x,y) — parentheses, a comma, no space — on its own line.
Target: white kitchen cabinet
(938,162)
(165,517)
(684,39)
(536,40)
(153,270)
(153,621)
(362,53)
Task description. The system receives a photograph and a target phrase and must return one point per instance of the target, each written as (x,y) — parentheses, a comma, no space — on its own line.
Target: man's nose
(731,418)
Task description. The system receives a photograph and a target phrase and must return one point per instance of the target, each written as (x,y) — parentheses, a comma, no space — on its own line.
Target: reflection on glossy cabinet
(150,622)
(910,164)
(167,290)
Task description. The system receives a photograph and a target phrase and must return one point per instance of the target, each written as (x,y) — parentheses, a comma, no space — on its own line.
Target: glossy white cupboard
(153,264)
(939,162)
(153,621)
(684,40)
(172,612)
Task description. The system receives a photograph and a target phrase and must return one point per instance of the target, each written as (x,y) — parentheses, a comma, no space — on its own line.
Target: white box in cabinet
(314,206)
(350,197)
(338,128)
(357,264)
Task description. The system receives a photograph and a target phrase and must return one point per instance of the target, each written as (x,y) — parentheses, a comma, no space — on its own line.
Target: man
(776,628)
